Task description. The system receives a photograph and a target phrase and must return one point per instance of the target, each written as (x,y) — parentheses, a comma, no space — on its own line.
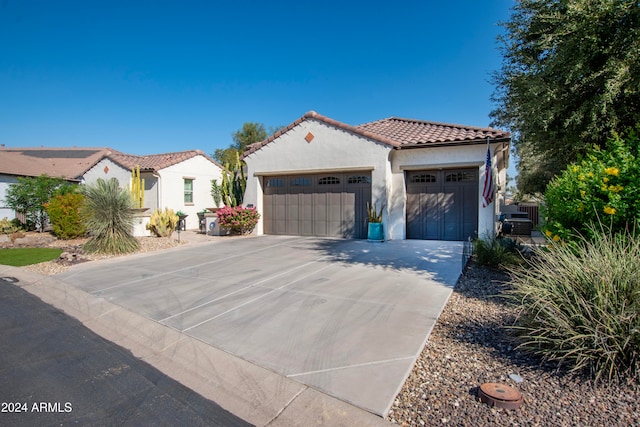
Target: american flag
(487,189)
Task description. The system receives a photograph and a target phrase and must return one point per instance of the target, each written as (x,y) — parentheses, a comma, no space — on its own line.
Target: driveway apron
(346,317)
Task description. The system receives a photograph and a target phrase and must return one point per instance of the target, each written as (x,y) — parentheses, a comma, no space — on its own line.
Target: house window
(359,179)
(188,191)
(423,177)
(329,180)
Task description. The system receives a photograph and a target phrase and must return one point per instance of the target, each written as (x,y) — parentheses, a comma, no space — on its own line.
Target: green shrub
(238,219)
(8,227)
(64,215)
(602,188)
(579,305)
(108,216)
(497,253)
(162,223)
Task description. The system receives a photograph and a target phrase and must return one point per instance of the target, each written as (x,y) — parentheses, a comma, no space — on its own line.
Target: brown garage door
(330,204)
(442,204)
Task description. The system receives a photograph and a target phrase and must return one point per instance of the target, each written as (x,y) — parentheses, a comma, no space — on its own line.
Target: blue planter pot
(375,232)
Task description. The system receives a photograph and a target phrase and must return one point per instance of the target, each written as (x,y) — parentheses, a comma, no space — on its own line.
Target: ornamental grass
(579,305)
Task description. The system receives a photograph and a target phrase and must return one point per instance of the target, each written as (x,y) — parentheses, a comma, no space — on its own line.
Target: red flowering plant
(238,219)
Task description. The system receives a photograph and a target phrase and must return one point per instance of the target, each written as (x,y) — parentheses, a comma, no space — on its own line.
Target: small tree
(108,216)
(29,194)
(250,133)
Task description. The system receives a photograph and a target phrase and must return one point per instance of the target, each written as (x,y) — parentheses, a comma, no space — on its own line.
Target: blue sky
(149,77)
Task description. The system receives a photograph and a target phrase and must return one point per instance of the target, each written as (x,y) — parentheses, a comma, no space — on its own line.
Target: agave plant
(108,217)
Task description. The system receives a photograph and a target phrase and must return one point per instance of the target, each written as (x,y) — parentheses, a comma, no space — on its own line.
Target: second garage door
(442,204)
(330,204)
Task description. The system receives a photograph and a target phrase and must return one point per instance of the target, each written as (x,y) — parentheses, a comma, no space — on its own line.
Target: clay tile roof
(154,162)
(72,163)
(68,163)
(419,133)
(399,133)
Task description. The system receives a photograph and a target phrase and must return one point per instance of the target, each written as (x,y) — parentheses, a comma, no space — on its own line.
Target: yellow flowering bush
(602,188)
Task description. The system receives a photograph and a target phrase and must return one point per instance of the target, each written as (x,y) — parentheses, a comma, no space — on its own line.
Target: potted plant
(375,230)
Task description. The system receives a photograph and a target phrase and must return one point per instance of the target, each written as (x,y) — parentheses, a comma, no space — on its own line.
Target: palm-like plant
(108,217)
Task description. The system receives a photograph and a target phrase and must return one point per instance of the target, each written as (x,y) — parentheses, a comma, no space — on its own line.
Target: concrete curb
(253,393)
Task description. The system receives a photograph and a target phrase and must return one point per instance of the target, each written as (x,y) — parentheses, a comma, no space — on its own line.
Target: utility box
(212,225)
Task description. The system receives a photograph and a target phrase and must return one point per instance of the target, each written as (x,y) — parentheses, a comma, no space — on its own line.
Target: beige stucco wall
(202,171)
(331,149)
(107,169)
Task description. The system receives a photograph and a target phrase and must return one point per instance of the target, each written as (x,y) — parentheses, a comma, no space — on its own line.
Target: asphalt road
(55,371)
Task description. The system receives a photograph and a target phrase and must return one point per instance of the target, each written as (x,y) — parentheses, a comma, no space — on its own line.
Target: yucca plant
(579,305)
(108,216)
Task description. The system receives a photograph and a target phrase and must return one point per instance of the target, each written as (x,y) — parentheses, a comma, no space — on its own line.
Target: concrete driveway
(346,317)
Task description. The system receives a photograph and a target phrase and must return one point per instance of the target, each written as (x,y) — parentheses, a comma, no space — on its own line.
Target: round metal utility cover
(500,396)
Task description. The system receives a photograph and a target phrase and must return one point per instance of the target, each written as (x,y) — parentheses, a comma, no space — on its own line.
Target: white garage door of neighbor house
(442,204)
(329,204)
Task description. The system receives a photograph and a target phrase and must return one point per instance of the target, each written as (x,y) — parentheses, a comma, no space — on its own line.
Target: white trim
(315,171)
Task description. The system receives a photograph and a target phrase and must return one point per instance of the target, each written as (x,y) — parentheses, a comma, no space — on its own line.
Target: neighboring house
(316,176)
(180,180)
(67,163)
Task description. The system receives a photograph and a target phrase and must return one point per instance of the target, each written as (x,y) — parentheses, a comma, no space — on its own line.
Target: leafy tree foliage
(29,195)
(570,77)
(251,132)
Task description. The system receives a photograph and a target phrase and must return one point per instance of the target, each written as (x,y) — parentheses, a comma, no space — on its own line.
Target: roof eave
(315,116)
(453,143)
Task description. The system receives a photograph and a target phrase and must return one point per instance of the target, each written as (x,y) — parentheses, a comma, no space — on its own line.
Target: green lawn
(18,257)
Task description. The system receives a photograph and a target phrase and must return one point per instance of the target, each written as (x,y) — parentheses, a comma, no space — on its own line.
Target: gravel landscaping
(469,347)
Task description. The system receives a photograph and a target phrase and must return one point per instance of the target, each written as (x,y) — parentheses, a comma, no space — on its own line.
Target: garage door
(330,204)
(442,204)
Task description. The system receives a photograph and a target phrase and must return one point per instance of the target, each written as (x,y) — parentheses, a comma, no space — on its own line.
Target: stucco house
(315,177)
(179,180)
